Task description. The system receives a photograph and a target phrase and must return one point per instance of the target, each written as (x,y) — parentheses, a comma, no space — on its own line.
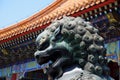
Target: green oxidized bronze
(72,45)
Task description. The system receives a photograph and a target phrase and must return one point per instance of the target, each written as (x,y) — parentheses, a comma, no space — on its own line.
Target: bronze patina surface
(75,49)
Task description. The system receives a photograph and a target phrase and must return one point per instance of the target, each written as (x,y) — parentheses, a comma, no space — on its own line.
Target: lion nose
(36,54)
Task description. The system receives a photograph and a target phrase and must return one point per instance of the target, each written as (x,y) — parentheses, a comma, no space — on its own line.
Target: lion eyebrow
(58,30)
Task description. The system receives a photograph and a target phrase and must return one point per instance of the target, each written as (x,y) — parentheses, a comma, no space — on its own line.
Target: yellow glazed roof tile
(53,11)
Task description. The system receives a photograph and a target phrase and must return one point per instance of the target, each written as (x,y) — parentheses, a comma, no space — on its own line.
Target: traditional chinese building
(17,42)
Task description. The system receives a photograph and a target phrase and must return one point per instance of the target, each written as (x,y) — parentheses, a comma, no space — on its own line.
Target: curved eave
(23,22)
(56,10)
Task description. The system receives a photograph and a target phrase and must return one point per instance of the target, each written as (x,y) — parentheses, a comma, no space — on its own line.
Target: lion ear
(57,34)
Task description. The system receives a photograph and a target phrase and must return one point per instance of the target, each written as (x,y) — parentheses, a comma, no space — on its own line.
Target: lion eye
(44,45)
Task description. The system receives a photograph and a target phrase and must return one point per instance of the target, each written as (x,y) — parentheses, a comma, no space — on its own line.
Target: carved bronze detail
(72,42)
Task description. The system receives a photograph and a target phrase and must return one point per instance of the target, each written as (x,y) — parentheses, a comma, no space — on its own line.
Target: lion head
(71,41)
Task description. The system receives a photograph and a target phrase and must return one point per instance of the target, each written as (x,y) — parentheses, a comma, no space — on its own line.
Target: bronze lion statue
(75,49)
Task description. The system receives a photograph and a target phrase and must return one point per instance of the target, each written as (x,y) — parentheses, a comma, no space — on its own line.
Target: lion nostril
(37,56)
